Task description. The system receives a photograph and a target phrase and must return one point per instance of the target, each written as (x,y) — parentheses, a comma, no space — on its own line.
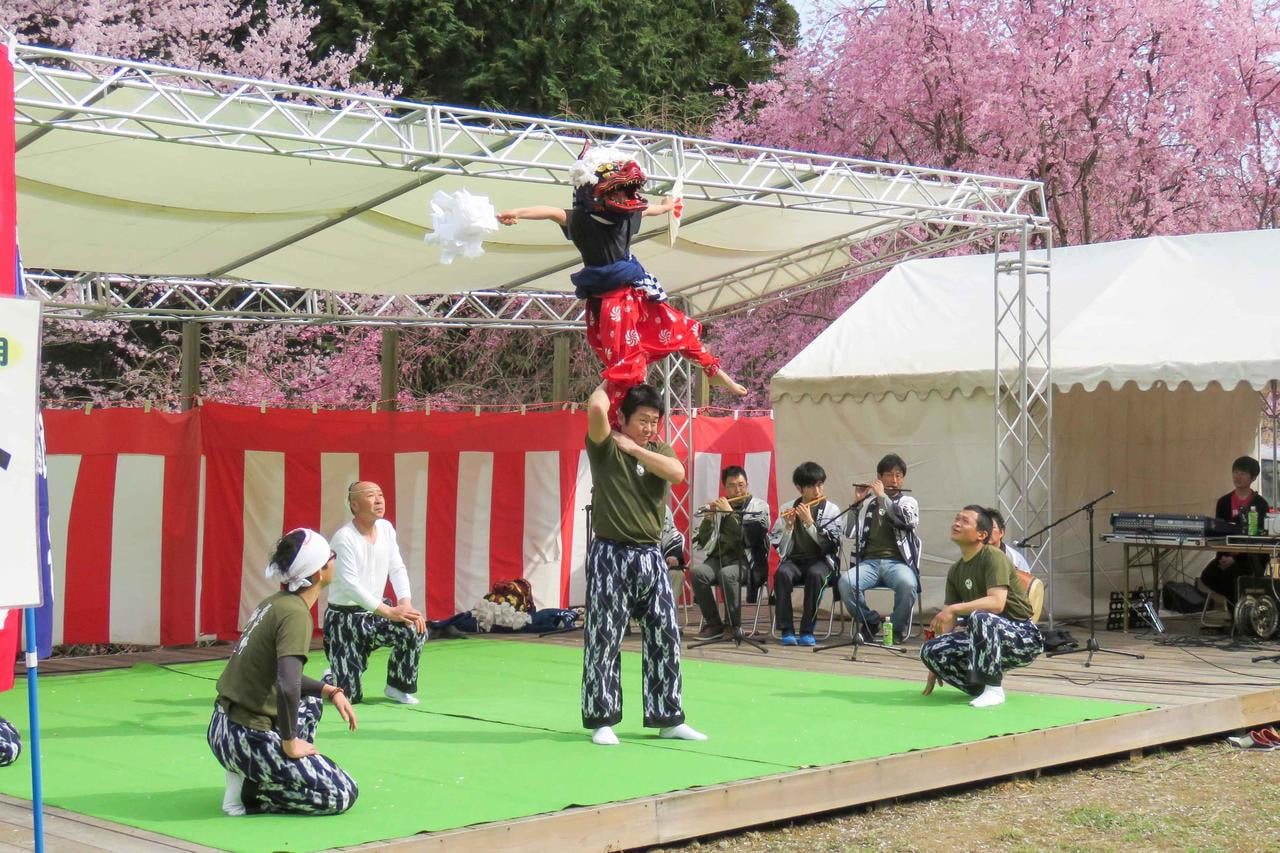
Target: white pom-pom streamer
(489,613)
(460,224)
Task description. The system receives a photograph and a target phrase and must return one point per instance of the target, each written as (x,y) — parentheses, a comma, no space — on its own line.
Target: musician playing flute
(807,541)
(722,537)
(883,547)
(631,473)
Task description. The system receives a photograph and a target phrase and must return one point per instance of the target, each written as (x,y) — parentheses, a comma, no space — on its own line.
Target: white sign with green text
(19,398)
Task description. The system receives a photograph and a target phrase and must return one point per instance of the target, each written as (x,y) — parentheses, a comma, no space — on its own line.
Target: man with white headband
(357,620)
(264,720)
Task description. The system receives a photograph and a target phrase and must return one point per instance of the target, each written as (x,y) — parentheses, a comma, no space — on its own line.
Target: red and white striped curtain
(162,523)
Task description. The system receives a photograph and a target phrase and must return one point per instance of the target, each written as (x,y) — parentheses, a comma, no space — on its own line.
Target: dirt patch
(1206,796)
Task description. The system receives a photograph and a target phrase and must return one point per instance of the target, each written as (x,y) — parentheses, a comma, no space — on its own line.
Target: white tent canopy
(1159,347)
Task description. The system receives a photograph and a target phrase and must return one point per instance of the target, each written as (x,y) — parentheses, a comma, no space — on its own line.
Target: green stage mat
(497,736)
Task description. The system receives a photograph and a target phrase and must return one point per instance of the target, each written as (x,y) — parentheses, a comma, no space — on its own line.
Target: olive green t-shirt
(627,501)
(989,568)
(280,627)
(882,543)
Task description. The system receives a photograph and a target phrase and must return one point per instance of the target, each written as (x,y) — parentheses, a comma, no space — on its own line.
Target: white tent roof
(132,168)
(1193,309)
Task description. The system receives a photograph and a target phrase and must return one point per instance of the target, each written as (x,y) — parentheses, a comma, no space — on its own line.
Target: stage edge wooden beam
(736,805)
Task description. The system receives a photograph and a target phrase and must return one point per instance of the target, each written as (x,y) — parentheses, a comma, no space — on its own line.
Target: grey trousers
(704,578)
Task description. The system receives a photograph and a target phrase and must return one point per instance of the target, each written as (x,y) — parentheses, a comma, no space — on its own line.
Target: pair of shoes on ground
(1267,737)
(605,736)
(790,639)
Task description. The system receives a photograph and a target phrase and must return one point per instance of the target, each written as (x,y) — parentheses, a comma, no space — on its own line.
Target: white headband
(311,558)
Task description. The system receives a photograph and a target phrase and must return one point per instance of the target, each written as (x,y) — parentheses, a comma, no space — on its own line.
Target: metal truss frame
(1024,393)
(912,211)
(90,296)
(57,89)
(676,379)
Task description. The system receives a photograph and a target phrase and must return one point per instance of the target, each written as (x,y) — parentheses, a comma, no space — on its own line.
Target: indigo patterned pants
(973,659)
(273,782)
(351,636)
(625,581)
(10,743)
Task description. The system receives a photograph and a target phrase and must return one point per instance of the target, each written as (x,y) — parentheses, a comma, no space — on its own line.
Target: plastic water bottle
(1253,521)
(886,633)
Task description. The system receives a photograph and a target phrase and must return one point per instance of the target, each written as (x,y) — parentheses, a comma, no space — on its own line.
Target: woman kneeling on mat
(264,720)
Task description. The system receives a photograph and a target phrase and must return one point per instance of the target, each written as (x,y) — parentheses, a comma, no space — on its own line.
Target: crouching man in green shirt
(1000,634)
(631,474)
(264,721)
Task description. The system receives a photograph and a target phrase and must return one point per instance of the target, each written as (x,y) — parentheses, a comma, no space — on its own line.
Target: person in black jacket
(1223,570)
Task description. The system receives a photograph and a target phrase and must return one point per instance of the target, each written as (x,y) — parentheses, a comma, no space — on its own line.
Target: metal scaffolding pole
(1024,393)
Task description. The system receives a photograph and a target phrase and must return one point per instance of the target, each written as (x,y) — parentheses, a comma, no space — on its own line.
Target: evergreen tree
(597,60)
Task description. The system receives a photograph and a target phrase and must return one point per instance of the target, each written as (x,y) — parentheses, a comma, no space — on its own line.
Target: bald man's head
(365,499)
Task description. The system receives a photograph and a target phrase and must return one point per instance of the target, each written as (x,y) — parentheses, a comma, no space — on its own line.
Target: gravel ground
(1204,796)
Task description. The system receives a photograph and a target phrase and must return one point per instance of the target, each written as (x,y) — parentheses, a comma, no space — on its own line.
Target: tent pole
(390,368)
(33,735)
(189,370)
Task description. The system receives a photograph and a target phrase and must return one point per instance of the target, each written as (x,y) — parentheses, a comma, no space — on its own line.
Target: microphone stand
(737,638)
(1092,646)
(859,620)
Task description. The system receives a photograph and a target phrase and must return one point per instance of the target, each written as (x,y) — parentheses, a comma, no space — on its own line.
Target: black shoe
(709,631)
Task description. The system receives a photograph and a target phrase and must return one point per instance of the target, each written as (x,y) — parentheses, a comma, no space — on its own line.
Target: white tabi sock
(400,696)
(681,732)
(990,697)
(231,803)
(604,736)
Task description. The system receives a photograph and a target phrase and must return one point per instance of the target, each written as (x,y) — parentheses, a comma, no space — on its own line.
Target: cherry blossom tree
(271,41)
(1140,117)
(114,362)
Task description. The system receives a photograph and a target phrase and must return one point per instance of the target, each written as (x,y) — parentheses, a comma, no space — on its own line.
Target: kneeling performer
(357,621)
(264,720)
(626,575)
(1000,634)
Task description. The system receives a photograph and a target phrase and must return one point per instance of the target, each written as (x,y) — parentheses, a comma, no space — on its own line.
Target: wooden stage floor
(1199,691)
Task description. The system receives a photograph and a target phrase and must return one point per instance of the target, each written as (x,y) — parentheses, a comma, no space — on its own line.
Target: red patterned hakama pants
(628,332)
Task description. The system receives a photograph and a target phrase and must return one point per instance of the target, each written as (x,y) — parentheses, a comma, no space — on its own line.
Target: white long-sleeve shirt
(362,567)
(1015,556)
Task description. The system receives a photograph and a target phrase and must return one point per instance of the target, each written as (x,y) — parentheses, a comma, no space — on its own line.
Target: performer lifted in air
(626,574)
(630,323)
(264,720)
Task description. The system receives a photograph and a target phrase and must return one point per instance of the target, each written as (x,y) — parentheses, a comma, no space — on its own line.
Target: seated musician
(672,545)
(731,536)
(1225,569)
(807,541)
(1031,585)
(884,549)
(999,634)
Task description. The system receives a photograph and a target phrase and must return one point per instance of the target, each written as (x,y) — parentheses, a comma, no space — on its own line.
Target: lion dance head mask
(607,181)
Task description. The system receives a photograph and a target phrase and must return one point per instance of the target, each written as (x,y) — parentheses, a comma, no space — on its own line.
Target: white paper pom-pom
(460,223)
(489,614)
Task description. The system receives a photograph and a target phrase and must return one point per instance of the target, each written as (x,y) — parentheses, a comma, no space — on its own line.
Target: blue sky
(805,8)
